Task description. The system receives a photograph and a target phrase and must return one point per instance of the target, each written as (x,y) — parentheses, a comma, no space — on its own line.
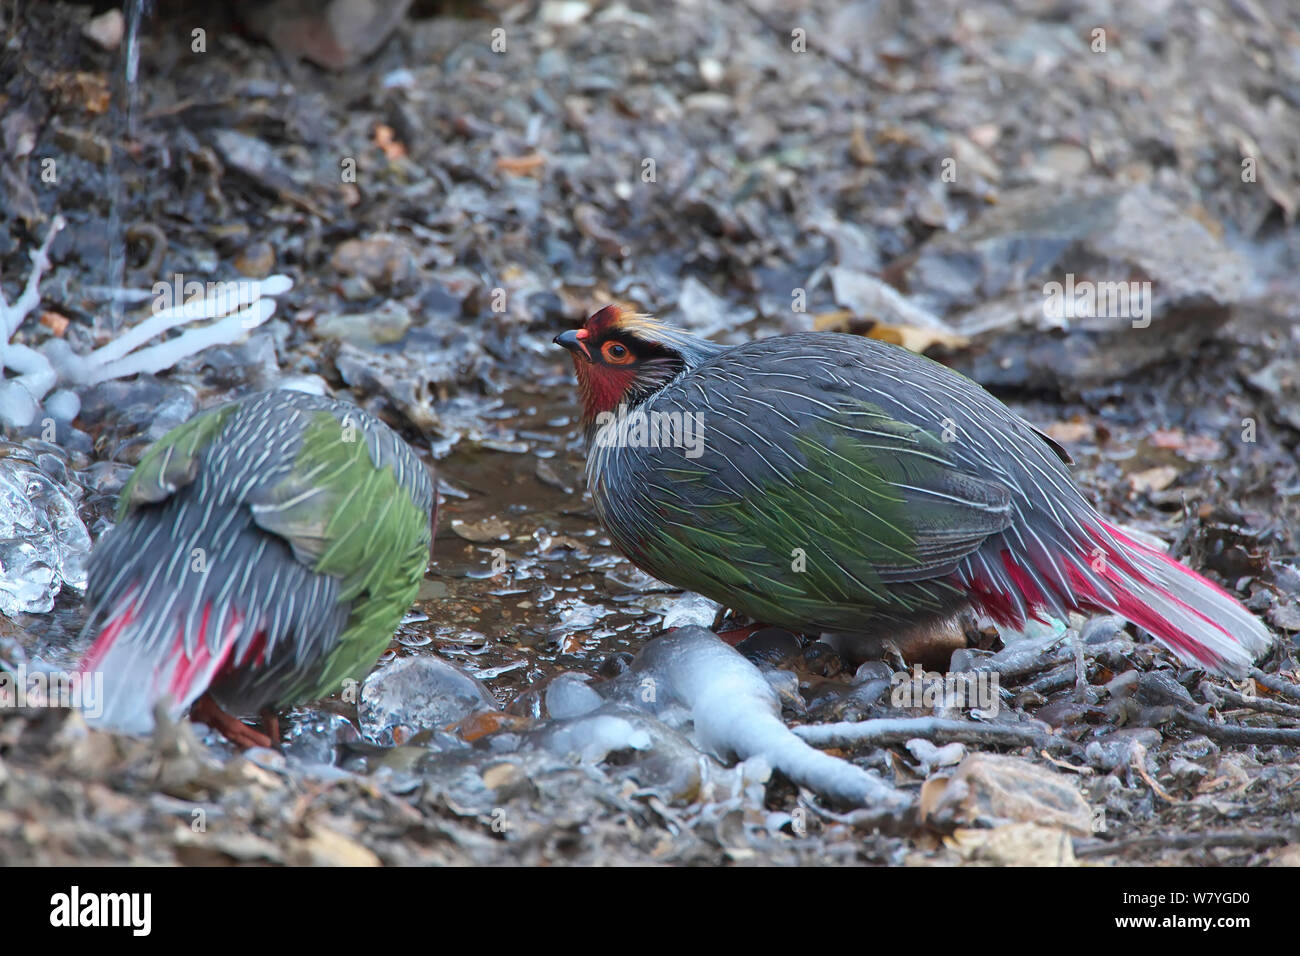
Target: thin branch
(1233,698)
(1182,841)
(1276,684)
(1236,734)
(888,731)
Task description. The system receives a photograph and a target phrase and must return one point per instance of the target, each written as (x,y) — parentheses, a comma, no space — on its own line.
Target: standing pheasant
(265,551)
(834,483)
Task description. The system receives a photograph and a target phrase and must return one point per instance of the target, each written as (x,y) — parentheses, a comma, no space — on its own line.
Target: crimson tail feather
(1190,615)
(143,675)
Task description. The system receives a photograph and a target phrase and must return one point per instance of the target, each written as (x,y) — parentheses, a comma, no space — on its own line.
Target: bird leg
(208,711)
(738,634)
(271,724)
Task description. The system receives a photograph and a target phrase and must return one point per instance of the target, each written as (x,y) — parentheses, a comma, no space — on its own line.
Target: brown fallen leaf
(1202,448)
(387,141)
(916,339)
(1068,433)
(482,531)
(932,791)
(993,790)
(56,323)
(1153,479)
(325,846)
(521,165)
(1193,447)
(1016,844)
(488,722)
(1288,855)
(860,149)
(911,337)
(90,91)
(1171,438)
(500,775)
(835,321)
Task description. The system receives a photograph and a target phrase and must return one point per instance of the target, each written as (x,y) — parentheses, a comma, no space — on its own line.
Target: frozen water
(736,712)
(43,543)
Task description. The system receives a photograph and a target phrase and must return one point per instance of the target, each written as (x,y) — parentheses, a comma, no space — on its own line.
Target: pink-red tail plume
(1193,617)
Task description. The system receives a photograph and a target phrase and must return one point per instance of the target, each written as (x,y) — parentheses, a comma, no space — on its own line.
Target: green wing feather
(872,504)
(347,517)
(173,461)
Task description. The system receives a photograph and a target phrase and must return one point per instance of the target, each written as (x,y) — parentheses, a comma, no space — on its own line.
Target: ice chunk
(736,712)
(569,695)
(691,608)
(239,307)
(414,693)
(43,543)
(594,737)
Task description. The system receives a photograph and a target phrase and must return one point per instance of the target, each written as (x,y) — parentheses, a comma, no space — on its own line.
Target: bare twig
(1138,759)
(882,819)
(1218,694)
(1236,734)
(1276,684)
(1182,841)
(888,731)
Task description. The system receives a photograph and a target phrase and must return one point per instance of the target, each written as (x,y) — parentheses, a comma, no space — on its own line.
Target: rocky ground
(745,168)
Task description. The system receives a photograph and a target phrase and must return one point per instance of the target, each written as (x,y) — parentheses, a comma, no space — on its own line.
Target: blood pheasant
(265,552)
(833,483)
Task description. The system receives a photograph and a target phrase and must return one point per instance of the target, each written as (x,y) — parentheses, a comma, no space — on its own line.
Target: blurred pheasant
(265,551)
(849,486)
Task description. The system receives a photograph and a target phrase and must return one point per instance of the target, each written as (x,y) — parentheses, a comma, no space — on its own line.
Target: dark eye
(616,352)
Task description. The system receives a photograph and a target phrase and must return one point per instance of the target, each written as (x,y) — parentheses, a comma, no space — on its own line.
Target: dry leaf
(388,142)
(1153,479)
(521,165)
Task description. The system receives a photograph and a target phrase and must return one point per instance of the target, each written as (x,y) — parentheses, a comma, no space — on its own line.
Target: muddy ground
(686,159)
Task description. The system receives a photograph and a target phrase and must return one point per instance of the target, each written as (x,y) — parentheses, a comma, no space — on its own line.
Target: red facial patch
(603,387)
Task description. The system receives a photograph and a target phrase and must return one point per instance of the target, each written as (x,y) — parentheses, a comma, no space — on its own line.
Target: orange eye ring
(616,353)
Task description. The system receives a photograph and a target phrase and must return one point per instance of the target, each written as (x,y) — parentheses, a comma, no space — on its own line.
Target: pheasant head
(622,358)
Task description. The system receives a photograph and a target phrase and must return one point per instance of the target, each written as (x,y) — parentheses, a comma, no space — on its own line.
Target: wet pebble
(820,659)
(382,326)
(1117,749)
(615,664)
(317,736)
(1159,688)
(383,260)
(770,645)
(1285,617)
(257,259)
(437,302)
(1106,627)
(415,693)
(691,608)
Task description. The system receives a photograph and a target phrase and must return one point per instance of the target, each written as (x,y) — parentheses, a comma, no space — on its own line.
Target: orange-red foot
(733,636)
(271,724)
(206,711)
(736,635)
